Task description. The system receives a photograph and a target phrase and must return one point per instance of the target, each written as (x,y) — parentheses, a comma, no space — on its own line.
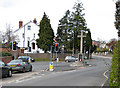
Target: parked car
(20,65)
(26,58)
(70,59)
(5,71)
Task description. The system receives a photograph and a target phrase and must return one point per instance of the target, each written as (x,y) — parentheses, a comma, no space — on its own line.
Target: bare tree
(0,39)
(8,37)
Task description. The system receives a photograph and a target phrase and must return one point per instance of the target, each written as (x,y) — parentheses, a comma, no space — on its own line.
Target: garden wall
(6,59)
(46,55)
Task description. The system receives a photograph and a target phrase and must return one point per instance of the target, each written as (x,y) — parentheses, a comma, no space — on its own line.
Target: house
(99,44)
(28,33)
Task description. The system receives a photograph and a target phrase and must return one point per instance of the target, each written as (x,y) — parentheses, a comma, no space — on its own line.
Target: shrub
(5,54)
(115,67)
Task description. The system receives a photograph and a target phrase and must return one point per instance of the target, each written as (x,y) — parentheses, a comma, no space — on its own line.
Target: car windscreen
(15,61)
(24,59)
(68,56)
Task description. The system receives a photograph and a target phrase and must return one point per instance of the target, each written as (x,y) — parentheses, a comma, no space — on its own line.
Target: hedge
(5,54)
(115,67)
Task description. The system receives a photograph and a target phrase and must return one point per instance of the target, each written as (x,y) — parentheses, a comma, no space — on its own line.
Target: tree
(88,40)
(115,67)
(111,44)
(78,23)
(8,37)
(0,39)
(63,31)
(45,34)
(70,27)
(117,15)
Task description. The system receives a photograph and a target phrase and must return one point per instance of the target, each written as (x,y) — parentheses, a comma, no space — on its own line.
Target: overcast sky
(99,14)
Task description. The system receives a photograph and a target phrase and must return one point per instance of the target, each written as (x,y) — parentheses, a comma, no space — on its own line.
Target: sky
(99,14)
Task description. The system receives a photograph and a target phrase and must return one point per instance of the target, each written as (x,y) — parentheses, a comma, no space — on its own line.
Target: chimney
(34,21)
(20,24)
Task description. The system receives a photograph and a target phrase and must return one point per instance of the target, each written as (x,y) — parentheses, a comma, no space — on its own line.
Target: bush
(5,54)
(115,67)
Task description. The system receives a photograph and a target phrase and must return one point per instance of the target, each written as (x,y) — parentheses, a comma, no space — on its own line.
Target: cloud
(6,3)
(99,14)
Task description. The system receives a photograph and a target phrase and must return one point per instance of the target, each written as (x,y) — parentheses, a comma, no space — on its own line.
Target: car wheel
(9,73)
(67,61)
(23,70)
(30,69)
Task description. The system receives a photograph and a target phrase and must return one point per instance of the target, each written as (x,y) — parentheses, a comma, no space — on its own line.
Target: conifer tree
(70,27)
(45,34)
(63,31)
(78,23)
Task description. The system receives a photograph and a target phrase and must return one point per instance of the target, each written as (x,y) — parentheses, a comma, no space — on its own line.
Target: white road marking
(105,77)
(103,56)
(22,80)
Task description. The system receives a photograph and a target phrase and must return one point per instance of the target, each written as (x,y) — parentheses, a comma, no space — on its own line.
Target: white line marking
(105,77)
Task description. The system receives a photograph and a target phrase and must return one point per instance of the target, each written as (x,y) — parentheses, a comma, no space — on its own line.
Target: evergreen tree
(115,67)
(63,31)
(88,40)
(70,27)
(78,23)
(45,34)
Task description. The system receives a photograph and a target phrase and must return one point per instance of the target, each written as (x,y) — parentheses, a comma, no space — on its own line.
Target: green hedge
(115,67)
(5,54)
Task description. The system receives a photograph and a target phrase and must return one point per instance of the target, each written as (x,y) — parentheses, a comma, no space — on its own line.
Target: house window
(29,27)
(23,35)
(34,35)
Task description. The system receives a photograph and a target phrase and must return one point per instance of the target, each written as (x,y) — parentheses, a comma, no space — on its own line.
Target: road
(81,76)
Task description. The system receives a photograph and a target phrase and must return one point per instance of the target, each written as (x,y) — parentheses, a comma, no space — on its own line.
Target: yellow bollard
(51,67)
(29,60)
(57,59)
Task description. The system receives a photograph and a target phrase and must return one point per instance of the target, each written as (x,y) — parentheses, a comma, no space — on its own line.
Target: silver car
(19,65)
(70,59)
(5,71)
(26,58)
